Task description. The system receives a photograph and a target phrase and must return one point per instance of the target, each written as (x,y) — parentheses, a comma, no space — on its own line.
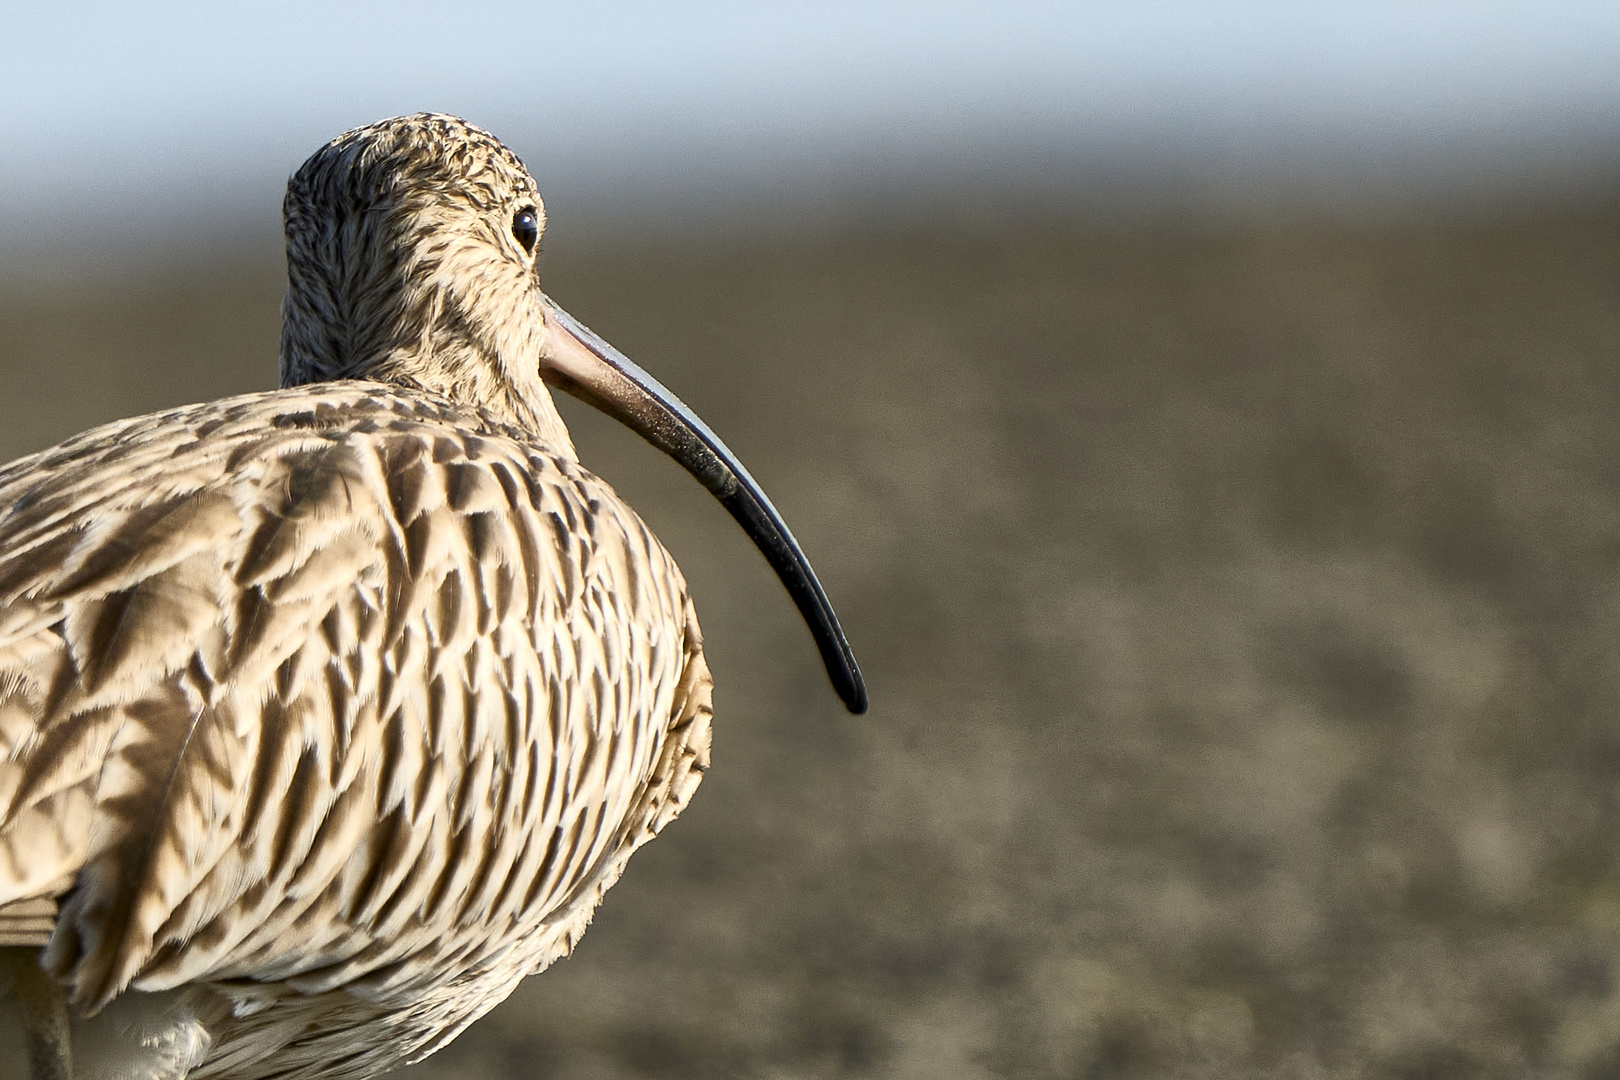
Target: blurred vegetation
(1241,607)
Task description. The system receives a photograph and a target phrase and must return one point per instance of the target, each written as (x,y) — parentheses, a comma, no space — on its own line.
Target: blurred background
(1203,415)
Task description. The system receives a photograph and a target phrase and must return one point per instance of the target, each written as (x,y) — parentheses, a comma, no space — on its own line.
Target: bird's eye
(526,228)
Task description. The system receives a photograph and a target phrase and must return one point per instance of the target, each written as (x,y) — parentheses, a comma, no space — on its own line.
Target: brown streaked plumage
(329,713)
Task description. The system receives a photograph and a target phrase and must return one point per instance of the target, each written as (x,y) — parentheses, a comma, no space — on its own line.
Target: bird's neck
(497,374)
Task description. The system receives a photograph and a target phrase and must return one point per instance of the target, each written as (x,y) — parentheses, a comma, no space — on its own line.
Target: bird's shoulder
(250,442)
(273,480)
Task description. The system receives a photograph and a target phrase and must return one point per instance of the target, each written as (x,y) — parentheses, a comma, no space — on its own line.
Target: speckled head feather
(403,268)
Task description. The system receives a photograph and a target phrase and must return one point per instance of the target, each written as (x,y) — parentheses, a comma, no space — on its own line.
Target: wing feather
(360,706)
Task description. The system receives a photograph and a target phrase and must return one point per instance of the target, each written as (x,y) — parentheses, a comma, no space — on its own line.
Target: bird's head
(411,260)
(412,249)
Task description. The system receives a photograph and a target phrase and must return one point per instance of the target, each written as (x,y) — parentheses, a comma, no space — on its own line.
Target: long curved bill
(582,364)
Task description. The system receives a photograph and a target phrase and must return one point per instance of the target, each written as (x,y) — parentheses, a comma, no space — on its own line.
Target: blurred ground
(1241,608)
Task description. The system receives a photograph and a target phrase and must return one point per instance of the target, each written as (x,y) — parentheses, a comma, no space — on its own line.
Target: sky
(125,119)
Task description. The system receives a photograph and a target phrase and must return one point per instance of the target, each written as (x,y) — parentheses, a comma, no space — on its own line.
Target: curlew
(329,713)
